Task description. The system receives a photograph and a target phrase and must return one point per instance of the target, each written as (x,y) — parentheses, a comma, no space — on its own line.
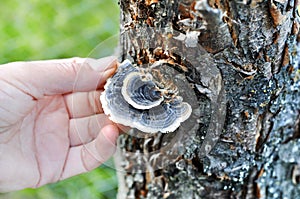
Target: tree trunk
(240,59)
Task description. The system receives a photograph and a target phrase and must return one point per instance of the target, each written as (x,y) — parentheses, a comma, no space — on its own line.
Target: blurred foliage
(34,29)
(51,29)
(100,183)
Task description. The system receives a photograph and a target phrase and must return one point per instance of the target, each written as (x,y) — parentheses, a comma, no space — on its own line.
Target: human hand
(52,125)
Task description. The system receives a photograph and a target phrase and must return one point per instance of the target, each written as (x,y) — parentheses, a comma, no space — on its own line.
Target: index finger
(40,78)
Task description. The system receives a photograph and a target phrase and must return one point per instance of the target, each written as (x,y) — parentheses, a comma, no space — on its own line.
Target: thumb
(51,77)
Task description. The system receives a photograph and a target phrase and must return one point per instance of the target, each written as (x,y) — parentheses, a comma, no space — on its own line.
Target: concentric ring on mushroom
(143,98)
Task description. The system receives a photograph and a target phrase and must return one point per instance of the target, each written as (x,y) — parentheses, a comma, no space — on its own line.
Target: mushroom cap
(141,94)
(134,99)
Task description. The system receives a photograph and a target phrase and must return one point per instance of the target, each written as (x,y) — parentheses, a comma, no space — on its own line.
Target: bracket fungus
(144,98)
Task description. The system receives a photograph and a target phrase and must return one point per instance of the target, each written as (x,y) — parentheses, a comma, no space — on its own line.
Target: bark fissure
(249,46)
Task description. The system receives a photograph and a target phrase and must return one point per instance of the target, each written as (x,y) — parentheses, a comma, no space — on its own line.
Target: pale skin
(52,125)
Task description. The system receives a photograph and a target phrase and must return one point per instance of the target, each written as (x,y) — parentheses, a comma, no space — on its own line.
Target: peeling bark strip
(254,46)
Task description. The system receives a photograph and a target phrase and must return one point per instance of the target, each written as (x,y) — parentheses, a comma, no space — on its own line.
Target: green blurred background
(47,29)
(51,29)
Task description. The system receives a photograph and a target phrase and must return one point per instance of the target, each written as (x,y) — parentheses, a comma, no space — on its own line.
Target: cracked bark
(254,45)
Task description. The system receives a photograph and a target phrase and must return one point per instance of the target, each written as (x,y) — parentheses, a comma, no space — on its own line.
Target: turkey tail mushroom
(136,97)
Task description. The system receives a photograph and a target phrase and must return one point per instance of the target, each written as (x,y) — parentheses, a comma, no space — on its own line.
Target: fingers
(86,157)
(53,77)
(85,116)
(83,130)
(123,129)
(83,104)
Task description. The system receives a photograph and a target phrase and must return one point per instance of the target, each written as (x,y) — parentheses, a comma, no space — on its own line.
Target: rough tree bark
(254,46)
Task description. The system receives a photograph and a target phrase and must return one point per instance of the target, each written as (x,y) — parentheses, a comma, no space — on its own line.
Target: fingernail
(108,73)
(103,64)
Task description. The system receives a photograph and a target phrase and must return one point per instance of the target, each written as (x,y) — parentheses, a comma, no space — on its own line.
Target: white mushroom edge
(134,123)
